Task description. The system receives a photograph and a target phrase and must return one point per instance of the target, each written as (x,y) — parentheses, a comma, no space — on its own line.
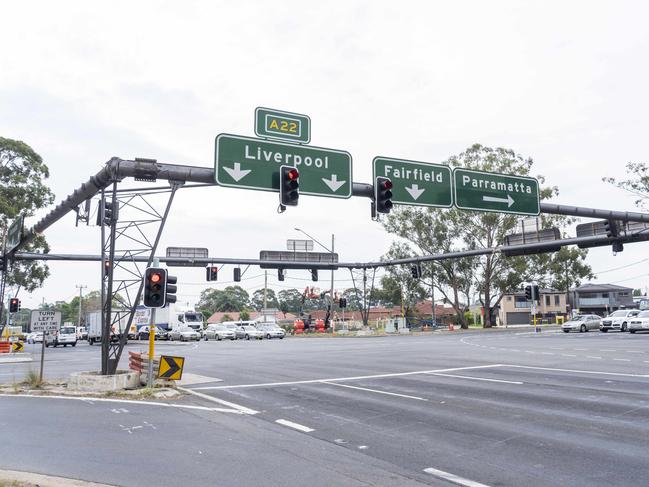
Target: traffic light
(535,293)
(110,213)
(14,305)
(171,289)
(155,284)
(314,274)
(528,293)
(342,302)
(237,274)
(212,273)
(289,185)
(281,274)
(383,194)
(415,270)
(611,228)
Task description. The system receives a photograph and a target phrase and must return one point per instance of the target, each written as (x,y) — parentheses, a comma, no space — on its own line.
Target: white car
(67,335)
(250,331)
(582,323)
(618,320)
(640,322)
(219,332)
(272,331)
(184,334)
(35,337)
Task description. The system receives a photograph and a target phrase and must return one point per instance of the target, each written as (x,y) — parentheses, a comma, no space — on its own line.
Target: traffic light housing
(155,287)
(14,305)
(528,293)
(314,274)
(415,270)
(237,274)
(342,302)
(212,273)
(383,194)
(281,274)
(535,293)
(171,289)
(289,185)
(109,213)
(611,228)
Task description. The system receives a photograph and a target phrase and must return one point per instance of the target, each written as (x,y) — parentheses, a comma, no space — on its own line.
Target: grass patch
(33,379)
(14,483)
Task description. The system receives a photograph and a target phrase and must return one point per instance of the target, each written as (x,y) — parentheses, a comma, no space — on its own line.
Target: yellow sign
(171,368)
(18,346)
(5,332)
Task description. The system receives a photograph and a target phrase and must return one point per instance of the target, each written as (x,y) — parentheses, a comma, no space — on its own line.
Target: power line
(622,267)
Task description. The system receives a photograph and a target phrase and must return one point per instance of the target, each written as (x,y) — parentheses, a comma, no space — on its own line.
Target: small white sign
(46,320)
(142,317)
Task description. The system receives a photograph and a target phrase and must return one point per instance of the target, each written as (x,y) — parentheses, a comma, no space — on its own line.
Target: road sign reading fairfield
(485,191)
(246,162)
(416,183)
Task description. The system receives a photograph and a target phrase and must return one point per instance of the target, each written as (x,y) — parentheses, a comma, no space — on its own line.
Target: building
(515,309)
(601,299)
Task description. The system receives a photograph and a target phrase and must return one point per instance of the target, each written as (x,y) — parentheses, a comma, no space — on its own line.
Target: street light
(331,252)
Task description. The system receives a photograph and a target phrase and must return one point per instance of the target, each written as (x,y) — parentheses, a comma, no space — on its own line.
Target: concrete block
(95,382)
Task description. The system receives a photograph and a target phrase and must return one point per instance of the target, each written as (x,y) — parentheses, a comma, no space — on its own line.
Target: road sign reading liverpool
(416,183)
(246,162)
(502,193)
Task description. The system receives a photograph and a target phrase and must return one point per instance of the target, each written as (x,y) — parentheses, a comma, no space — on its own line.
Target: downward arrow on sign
(333,183)
(236,172)
(414,191)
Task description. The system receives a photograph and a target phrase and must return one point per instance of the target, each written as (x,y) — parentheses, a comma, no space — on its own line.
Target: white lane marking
(291,424)
(455,479)
(622,359)
(591,356)
(376,391)
(239,408)
(580,349)
(593,372)
(529,351)
(92,400)
(634,351)
(567,355)
(607,350)
(646,361)
(339,379)
(478,378)
(547,353)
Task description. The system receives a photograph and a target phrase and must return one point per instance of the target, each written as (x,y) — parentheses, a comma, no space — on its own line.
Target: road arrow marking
(414,191)
(236,172)
(333,183)
(509,200)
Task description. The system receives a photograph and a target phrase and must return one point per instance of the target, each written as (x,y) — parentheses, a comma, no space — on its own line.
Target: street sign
(45,320)
(18,346)
(171,368)
(296,257)
(186,253)
(282,125)
(246,162)
(141,317)
(416,183)
(502,193)
(15,233)
(299,245)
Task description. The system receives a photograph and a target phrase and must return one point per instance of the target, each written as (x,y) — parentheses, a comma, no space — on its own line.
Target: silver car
(618,320)
(219,332)
(272,331)
(250,331)
(582,323)
(640,322)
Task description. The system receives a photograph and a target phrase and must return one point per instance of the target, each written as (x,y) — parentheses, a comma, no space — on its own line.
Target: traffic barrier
(5,347)
(139,362)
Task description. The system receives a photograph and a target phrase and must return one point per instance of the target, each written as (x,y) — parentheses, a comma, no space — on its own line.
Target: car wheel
(604,330)
(205,338)
(623,327)
(74,344)
(566,331)
(218,338)
(631,331)
(582,329)
(281,338)
(268,336)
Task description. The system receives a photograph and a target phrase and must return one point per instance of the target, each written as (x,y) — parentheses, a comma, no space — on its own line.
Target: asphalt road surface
(476,409)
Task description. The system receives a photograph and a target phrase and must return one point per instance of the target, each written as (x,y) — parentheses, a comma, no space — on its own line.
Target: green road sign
(15,233)
(282,125)
(246,162)
(485,191)
(416,183)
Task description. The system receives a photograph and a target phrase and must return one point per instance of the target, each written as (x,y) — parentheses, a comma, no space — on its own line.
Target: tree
(244,315)
(22,190)
(226,317)
(401,287)
(257,300)
(636,184)
(232,298)
(430,231)
(637,292)
(290,301)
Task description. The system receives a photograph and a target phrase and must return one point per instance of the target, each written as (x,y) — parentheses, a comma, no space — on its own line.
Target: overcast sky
(562,82)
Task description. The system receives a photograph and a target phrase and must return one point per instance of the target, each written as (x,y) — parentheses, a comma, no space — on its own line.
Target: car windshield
(644,314)
(579,318)
(249,328)
(193,317)
(618,314)
(68,330)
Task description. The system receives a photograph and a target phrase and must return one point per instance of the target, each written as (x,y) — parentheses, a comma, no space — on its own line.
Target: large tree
(22,190)
(290,301)
(232,298)
(636,182)
(257,300)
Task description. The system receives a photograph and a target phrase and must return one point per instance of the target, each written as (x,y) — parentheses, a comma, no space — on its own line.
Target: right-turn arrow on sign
(502,193)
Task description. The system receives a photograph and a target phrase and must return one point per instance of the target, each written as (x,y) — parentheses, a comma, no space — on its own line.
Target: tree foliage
(257,300)
(290,301)
(637,182)
(232,298)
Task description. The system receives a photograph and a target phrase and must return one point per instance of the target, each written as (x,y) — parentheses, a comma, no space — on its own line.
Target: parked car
(271,331)
(66,335)
(184,334)
(82,333)
(582,323)
(35,337)
(640,322)
(160,333)
(235,328)
(219,332)
(618,320)
(250,331)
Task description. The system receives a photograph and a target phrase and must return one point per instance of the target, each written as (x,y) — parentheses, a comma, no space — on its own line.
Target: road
(487,408)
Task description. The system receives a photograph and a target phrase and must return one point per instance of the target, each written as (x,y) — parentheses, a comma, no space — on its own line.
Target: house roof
(235,316)
(589,287)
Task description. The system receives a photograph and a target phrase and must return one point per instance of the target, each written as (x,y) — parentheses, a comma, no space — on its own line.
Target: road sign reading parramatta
(416,183)
(247,162)
(45,320)
(281,124)
(503,193)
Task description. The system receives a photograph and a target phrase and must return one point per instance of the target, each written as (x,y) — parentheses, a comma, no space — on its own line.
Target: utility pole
(81,288)
(432,290)
(265,293)
(331,296)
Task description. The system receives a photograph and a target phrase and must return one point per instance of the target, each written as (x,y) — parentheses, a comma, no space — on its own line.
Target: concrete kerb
(95,382)
(41,480)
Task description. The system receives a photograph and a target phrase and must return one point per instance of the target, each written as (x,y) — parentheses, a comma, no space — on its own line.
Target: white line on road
(375,390)
(478,378)
(241,409)
(622,359)
(291,424)
(455,479)
(339,379)
(567,355)
(547,353)
(634,351)
(593,372)
(592,356)
(607,350)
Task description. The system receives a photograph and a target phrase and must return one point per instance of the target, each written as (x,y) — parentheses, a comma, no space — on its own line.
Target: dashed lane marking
(376,391)
(576,371)
(622,359)
(296,426)
(478,378)
(454,479)
(240,409)
(593,356)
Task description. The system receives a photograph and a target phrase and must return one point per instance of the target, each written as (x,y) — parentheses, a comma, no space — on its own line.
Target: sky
(562,82)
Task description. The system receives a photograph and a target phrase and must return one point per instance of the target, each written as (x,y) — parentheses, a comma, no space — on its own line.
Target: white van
(66,335)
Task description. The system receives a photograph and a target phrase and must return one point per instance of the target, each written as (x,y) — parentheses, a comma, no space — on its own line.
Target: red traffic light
(155,277)
(292,174)
(386,184)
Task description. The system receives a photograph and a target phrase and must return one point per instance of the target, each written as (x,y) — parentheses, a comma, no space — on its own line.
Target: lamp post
(332,271)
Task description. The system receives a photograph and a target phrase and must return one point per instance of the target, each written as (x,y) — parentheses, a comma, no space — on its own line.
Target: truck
(93,324)
(168,318)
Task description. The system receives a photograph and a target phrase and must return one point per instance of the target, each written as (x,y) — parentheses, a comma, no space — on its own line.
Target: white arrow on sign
(333,183)
(414,191)
(509,200)
(236,172)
